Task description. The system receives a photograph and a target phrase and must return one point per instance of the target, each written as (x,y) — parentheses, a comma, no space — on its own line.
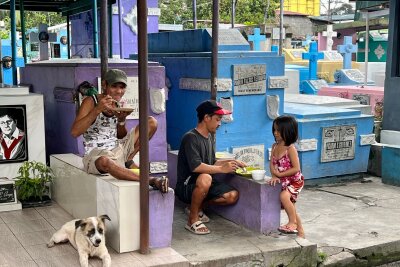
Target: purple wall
(82,31)
(60,111)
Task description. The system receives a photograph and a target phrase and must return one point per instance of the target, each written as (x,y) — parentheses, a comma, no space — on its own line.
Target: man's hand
(274,180)
(121,115)
(229,166)
(106,103)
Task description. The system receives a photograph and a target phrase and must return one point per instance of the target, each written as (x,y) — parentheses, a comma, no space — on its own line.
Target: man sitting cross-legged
(197,164)
(109,148)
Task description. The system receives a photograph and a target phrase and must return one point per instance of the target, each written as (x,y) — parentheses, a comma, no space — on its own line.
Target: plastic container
(258,174)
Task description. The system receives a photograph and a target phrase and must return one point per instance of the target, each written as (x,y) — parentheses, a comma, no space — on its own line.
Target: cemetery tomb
(252,85)
(366,95)
(326,67)
(327,101)
(7,60)
(29,111)
(61,101)
(247,80)
(332,141)
(377,47)
(376,72)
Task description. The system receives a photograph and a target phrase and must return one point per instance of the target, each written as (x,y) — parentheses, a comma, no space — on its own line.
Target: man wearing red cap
(197,164)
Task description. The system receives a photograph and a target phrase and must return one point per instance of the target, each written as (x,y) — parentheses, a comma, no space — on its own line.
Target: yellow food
(135,171)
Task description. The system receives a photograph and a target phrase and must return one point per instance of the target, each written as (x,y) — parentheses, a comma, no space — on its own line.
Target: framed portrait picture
(13,134)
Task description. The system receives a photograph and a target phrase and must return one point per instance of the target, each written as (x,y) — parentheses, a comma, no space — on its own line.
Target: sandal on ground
(161,183)
(195,228)
(202,216)
(287,229)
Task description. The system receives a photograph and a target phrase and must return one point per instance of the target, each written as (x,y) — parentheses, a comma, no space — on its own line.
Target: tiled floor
(25,233)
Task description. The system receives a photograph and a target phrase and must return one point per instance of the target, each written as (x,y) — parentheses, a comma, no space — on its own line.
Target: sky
(334,3)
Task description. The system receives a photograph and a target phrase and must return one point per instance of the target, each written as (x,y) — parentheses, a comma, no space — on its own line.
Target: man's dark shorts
(217,189)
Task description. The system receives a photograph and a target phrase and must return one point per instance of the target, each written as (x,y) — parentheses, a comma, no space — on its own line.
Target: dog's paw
(50,244)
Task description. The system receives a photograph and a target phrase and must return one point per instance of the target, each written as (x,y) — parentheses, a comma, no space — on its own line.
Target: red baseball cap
(211,107)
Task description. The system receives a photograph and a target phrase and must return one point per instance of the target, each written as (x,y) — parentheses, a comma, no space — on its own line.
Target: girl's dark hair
(288,129)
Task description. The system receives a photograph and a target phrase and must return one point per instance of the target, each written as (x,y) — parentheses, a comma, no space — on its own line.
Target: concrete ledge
(258,207)
(83,195)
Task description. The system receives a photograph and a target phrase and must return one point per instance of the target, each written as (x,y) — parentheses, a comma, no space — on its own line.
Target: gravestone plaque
(297,54)
(362,98)
(251,155)
(197,84)
(318,83)
(249,79)
(354,74)
(338,143)
(333,56)
(7,191)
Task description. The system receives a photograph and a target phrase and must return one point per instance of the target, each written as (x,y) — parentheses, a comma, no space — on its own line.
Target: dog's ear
(103,217)
(79,223)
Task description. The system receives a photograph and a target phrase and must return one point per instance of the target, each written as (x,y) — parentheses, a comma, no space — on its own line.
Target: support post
(366,47)
(194,14)
(22,15)
(68,38)
(121,38)
(95,32)
(281,28)
(214,56)
(13,42)
(104,38)
(143,126)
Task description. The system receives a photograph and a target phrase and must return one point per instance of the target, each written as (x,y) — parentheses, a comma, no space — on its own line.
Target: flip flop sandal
(195,228)
(163,187)
(202,216)
(287,230)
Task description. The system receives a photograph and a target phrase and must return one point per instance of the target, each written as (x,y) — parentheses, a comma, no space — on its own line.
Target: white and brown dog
(87,236)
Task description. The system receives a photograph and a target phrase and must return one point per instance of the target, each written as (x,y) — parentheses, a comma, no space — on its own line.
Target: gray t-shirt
(194,150)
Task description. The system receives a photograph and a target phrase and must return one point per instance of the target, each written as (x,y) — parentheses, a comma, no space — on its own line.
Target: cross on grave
(43,37)
(307,41)
(329,33)
(347,49)
(313,55)
(256,38)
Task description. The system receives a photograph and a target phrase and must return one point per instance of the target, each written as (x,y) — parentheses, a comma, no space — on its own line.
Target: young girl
(285,169)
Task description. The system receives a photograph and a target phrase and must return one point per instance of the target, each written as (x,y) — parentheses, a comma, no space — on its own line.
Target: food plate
(123,109)
(246,173)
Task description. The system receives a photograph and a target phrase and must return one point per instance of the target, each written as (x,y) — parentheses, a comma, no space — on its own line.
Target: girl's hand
(274,181)
(275,172)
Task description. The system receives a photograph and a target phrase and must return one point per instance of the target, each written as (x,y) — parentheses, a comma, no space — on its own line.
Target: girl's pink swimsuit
(293,184)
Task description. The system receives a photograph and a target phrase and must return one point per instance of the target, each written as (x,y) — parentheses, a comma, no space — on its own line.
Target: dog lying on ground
(87,236)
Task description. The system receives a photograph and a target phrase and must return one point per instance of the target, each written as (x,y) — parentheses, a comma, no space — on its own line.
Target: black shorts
(217,190)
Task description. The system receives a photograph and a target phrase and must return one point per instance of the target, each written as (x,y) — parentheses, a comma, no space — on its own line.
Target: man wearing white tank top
(109,147)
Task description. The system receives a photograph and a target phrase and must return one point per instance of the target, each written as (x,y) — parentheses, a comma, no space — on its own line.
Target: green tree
(32,19)
(247,11)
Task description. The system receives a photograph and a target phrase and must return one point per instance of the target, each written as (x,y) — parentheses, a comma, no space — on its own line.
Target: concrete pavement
(346,224)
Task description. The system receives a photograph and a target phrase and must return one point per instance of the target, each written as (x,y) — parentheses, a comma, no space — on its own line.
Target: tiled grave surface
(25,233)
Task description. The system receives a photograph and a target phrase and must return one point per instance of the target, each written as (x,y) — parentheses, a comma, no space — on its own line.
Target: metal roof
(65,7)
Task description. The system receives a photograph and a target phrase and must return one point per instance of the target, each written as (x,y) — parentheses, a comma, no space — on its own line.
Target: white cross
(43,37)
(329,33)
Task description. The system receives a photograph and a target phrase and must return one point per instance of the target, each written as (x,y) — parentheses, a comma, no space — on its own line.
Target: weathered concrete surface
(353,224)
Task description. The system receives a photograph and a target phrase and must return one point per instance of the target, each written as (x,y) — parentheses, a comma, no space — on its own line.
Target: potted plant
(33,184)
